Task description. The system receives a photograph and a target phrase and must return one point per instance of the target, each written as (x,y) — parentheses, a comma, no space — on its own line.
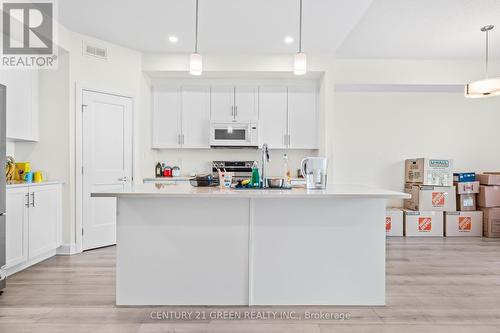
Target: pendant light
(487,87)
(195,61)
(300,61)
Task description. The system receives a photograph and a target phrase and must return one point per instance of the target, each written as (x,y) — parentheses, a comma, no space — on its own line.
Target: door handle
(236,111)
(123,179)
(32,199)
(27,204)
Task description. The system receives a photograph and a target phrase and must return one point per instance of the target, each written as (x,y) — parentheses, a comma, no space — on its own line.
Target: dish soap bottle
(287,175)
(158,170)
(255,175)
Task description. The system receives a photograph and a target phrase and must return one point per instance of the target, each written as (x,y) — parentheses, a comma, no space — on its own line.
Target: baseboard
(31,262)
(66,249)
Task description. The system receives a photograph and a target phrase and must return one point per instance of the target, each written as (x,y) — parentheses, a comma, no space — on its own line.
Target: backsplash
(199,160)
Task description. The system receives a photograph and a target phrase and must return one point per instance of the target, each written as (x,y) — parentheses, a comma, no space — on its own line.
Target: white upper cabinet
(245,105)
(302,118)
(166,120)
(22,103)
(181,117)
(287,116)
(195,117)
(222,104)
(273,116)
(234,104)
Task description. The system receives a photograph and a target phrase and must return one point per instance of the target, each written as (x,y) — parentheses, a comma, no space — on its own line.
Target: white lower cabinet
(33,228)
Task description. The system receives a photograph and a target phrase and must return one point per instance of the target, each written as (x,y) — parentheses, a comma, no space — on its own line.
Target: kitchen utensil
(176,171)
(274,182)
(38,177)
(314,171)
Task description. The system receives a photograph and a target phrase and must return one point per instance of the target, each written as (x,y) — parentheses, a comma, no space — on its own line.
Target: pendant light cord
(196,32)
(300,26)
(487,53)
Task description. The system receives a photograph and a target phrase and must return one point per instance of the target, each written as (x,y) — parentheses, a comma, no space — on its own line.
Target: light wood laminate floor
(433,285)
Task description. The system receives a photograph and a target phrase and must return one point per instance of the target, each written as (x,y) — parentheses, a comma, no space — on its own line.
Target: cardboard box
(464,177)
(463,224)
(431,198)
(427,171)
(466,202)
(394,222)
(489,196)
(489,178)
(427,224)
(491,222)
(467,187)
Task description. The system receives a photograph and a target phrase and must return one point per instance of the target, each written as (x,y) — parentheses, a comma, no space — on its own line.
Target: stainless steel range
(241,169)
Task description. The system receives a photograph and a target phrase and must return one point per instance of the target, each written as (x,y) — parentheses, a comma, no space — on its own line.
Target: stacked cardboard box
(489,201)
(394,222)
(466,221)
(430,184)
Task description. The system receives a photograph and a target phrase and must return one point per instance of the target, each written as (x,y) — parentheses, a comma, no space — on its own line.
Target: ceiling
(424,29)
(233,26)
(396,29)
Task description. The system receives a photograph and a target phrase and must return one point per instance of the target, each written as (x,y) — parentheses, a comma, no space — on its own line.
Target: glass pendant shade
(300,64)
(195,64)
(483,88)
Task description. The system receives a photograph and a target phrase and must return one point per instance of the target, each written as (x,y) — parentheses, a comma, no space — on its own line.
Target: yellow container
(21,169)
(38,177)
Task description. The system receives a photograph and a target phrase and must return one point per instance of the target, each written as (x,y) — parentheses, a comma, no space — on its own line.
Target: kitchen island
(183,245)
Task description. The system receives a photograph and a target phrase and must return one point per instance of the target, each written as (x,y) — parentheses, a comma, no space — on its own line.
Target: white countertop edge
(251,196)
(49,182)
(186,191)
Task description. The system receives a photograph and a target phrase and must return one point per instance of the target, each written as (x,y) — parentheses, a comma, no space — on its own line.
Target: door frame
(79,90)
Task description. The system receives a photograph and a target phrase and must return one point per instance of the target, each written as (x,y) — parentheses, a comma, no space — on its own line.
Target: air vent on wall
(95,51)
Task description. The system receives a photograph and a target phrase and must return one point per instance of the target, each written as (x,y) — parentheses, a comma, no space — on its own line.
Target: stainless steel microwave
(234,135)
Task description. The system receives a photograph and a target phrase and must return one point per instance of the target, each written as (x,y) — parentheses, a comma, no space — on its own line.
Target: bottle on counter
(158,170)
(255,175)
(287,174)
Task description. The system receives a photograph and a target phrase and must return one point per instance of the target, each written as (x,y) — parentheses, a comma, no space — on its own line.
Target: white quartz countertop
(25,184)
(187,191)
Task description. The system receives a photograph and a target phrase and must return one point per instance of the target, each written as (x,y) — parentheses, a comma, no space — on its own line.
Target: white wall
(51,153)
(373,132)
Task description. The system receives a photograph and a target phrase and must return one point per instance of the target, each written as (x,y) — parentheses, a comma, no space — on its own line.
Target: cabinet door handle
(182,136)
(236,111)
(27,204)
(232,111)
(32,199)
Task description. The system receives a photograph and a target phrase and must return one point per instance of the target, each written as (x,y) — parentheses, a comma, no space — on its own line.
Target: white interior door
(107,162)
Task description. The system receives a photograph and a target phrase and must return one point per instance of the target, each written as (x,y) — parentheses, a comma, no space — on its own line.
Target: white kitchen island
(181,245)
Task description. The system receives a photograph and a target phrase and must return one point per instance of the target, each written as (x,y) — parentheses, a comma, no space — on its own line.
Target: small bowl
(274,182)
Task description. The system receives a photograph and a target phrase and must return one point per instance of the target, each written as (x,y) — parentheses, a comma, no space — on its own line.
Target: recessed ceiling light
(288,40)
(173,39)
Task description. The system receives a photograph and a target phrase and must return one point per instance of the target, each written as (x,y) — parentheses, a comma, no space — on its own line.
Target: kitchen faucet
(265,160)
